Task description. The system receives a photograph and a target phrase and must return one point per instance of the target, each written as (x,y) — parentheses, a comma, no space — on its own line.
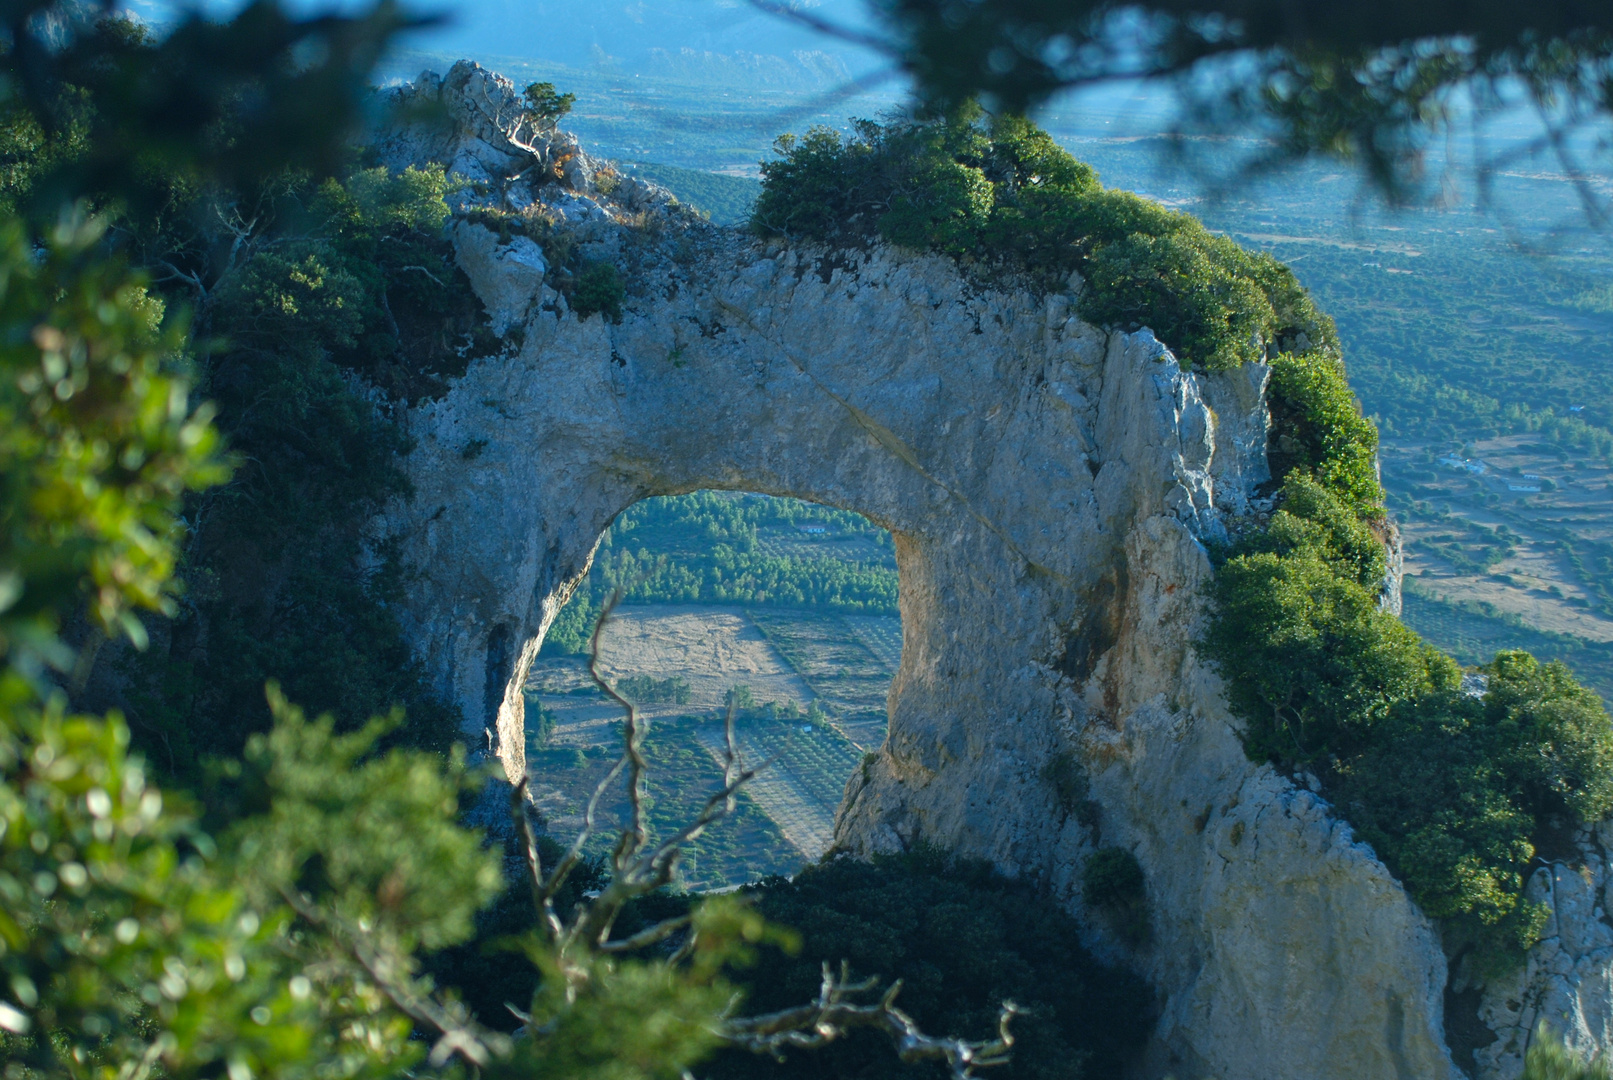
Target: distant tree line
(706,548)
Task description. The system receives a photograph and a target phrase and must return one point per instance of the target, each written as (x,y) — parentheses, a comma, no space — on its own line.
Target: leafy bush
(599,289)
(1312,660)
(1002,190)
(648,690)
(1112,885)
(1455,792)
(1317,426)
(1111,877)
(961,938)
(1549,1058)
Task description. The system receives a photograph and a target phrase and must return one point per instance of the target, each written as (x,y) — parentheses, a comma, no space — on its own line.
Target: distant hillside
(728,199)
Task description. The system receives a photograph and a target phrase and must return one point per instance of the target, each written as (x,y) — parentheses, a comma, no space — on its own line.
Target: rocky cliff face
(1050,487)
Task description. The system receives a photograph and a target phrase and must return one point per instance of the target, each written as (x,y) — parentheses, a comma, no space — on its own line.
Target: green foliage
(1317,426)
(1365,85)
(1430,792)
(573,626)
(1549,1058)
(1002,190)
(402,868)
(1460,343)
(1113,886)
(1312,661)
(138,104)
(29,152)
(1312,518)
(962,939)
(1455,792)
(599,289)
(351,278)
(98,443)
(1111,877)
(707,547)
(728,200)
(546,104)
(134,939)
(648,690)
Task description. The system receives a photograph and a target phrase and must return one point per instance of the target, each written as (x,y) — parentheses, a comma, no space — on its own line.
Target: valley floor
(836,667)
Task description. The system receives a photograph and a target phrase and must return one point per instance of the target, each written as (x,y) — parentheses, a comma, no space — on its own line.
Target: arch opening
(782,609)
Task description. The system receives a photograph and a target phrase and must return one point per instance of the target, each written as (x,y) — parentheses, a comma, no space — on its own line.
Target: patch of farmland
(786,790)
(819,757)
(786,814)
(829,656)
(712,648)
(882,634)
(682,775)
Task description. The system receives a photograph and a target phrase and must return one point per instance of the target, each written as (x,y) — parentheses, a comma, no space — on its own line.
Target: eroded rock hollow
(1050,486)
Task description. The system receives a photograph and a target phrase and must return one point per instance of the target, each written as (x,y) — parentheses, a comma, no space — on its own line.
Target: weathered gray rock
(1050,488)
(1567,980)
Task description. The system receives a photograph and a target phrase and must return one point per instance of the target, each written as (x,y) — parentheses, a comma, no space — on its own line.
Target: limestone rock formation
(1050,487)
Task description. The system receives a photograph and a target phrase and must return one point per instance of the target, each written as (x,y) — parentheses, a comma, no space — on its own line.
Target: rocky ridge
(1050,486)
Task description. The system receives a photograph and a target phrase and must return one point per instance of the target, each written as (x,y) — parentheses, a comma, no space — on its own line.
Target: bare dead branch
(632,739)
(422,270)
(831,1016)
(637,868)
(573,855)
(542,900)
(645,938)
(189,278)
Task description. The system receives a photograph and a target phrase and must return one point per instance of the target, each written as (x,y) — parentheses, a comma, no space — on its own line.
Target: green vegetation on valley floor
(727,200)
(713,547)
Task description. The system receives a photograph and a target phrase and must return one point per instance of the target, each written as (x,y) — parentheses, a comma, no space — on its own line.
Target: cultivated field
(1513,531)
(837,666)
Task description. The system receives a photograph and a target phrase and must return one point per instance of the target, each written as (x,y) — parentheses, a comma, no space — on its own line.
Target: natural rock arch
(1050,487)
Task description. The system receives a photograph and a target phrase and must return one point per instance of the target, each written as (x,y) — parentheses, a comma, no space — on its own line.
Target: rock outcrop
(1050,487)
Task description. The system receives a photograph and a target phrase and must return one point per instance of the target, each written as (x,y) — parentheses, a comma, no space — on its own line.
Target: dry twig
(831,1016)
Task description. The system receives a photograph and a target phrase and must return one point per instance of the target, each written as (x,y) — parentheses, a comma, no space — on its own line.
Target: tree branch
(829,1018)
(456,1036)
